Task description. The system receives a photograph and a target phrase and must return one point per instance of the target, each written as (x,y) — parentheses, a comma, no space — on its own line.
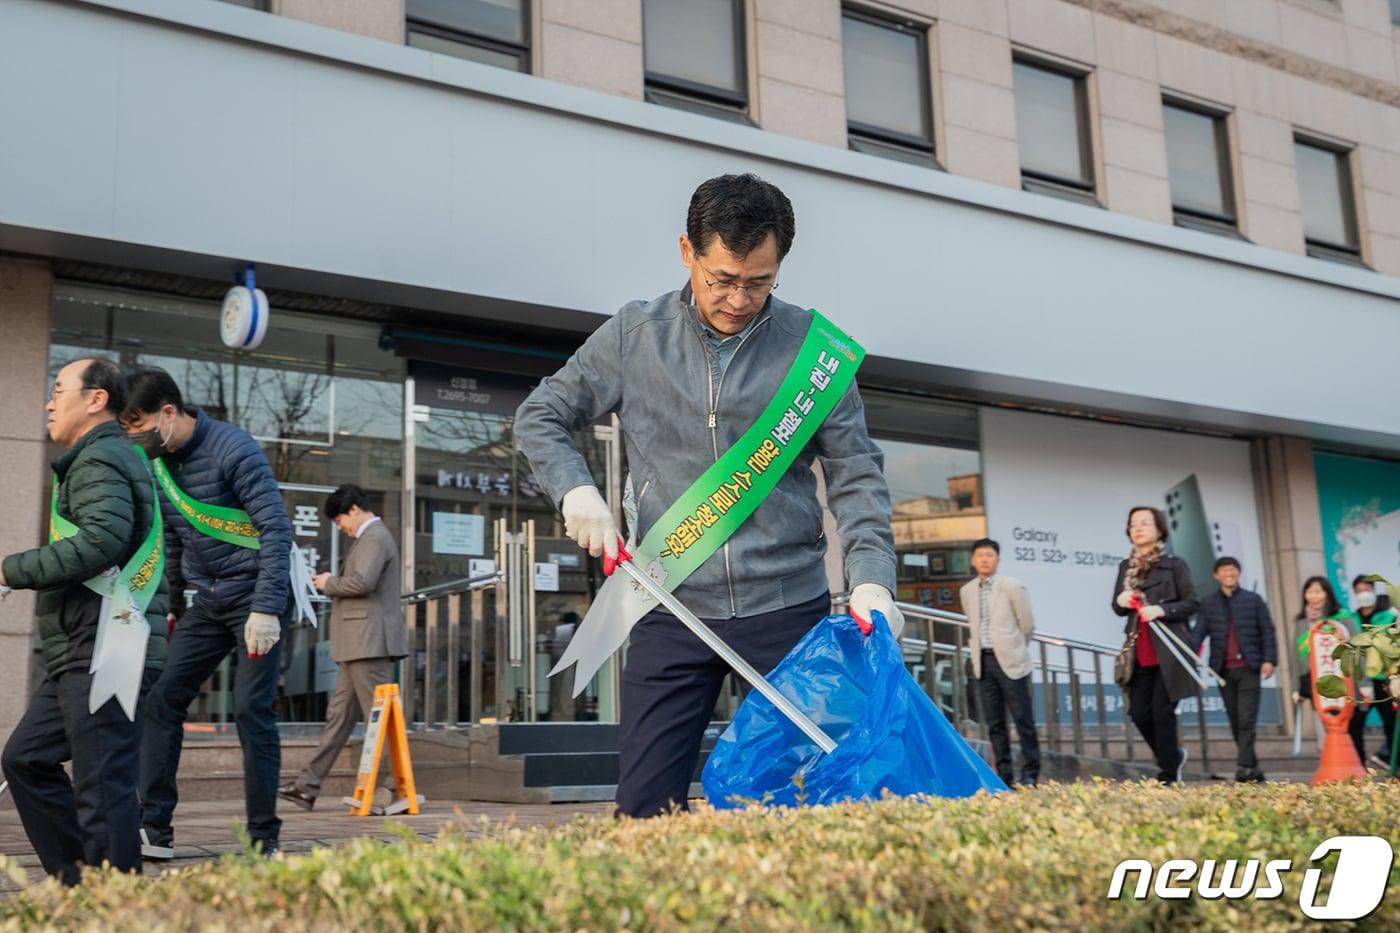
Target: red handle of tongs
(610,563)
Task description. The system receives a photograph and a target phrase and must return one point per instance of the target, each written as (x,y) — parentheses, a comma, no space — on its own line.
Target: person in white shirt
(999,614)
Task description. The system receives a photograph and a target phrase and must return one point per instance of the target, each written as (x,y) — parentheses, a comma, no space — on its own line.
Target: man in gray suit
(1001,626)
(367,631)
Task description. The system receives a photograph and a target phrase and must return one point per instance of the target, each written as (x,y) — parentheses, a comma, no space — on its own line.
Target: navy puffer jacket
(222,465)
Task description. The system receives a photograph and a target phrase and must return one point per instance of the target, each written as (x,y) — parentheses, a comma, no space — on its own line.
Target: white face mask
(1365,599)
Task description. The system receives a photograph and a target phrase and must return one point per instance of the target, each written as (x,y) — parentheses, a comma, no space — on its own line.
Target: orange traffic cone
(1339,759)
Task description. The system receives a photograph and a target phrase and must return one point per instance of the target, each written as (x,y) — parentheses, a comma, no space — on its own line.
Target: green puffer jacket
(105,489)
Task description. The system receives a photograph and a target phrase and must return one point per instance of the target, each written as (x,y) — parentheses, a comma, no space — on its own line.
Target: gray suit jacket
(366,616)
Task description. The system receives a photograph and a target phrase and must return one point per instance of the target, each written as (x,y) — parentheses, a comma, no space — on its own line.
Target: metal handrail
(464,585)
(1049,680)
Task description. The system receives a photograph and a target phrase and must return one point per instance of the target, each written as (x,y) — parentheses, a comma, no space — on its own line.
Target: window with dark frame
(250,4)
(886,70)
(694,55)
(1198,166)
(1052,131)
(1395,12)
(1328,200)
(493,32)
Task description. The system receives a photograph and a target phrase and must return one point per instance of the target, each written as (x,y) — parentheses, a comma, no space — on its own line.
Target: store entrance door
(475,509)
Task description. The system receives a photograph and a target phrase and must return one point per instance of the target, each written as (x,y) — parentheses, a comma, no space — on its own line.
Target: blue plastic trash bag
(889,734)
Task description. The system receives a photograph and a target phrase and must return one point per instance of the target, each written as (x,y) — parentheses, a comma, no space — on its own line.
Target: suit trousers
(352,700)
(669,689)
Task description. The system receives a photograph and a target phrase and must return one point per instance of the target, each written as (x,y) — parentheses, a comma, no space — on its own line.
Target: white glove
(1125,599)
(872,597)
(589,521)
(1151,613)
(260,633)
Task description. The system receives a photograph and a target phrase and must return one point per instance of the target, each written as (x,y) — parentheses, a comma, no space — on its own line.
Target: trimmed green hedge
(1035,860)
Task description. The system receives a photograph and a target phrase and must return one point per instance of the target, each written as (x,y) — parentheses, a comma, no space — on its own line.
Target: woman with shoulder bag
(1153,585)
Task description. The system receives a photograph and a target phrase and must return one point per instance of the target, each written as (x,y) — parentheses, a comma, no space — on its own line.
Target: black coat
(1168,585)
(1254,627)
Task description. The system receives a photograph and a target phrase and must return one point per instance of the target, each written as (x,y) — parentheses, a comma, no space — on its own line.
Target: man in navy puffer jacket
(242,598)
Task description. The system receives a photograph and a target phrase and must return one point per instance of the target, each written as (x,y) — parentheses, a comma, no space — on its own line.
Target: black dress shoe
(296,795)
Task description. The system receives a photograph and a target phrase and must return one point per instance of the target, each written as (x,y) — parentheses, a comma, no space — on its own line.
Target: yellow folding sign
(385,724)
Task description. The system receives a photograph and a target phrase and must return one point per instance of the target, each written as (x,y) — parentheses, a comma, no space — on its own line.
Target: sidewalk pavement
(203,829)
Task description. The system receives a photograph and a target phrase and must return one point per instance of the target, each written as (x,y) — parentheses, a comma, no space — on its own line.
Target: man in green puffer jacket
(105,496)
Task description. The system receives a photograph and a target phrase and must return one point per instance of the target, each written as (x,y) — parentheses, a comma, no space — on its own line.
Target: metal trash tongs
(716,644)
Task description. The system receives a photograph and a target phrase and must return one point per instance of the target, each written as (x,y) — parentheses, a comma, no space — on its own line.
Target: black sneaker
(264,848)
(157,844)
(290,791)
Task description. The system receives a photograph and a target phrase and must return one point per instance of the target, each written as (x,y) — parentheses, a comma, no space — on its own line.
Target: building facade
(1102,253)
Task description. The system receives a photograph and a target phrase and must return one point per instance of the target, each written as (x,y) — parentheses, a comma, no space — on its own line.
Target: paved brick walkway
(203,829)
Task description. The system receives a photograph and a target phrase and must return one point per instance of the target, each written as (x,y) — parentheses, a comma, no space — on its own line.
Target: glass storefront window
(934,471)
(324,401)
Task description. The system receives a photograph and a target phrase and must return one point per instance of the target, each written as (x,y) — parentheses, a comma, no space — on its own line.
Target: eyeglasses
(53,396)
(755,293)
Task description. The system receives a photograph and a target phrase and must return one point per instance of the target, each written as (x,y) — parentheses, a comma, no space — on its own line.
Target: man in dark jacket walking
(103,511)
(1243,650)
(228,539)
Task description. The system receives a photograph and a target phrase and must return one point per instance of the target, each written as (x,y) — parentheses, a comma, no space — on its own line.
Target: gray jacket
(366,616)
(652,365)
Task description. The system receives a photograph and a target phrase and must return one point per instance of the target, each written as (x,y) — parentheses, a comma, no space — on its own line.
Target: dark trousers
(95,817)
(1000,695)
(1241,694)
(1154,714)
(1356,728)
(202,639)
(669,689)
(1386,706)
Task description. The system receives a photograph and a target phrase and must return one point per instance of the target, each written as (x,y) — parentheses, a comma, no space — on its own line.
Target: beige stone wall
(591,43)
(796,50)
(379,19)
(26,297)
(1325,67)
(1292,539)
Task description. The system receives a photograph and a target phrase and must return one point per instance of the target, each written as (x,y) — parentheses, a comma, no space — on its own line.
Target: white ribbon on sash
(303,590)
(119,654)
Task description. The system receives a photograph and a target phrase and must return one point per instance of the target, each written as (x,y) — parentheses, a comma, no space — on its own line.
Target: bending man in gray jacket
(999,616)
(367,632)
(688,373)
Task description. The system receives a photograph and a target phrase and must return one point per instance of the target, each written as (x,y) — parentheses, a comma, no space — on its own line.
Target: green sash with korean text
(217,521)
(235,526)
(711,510)
(119,652)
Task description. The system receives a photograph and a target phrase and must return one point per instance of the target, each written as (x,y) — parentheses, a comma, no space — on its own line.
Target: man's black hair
(986,542)
(1227,562)
(344,499)
(149,389)
(105,375)
(741,210)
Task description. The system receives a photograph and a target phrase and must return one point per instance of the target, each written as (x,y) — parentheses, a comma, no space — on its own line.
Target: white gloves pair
(261,632)
(1125,599)
(589,521)
(872,597)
